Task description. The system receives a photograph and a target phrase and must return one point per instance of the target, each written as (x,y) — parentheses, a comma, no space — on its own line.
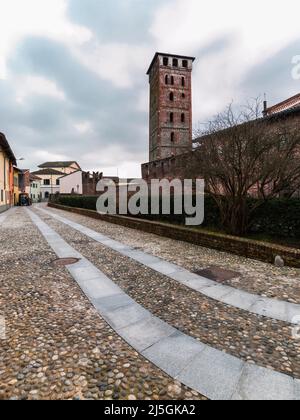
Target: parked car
(24,200)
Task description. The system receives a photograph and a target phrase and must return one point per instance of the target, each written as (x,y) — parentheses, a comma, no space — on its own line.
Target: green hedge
(278,217)
(79,201)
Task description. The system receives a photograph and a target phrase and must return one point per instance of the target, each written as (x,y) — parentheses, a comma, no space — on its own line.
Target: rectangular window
(46,181)
(166,61)
(175,62)
(185,63)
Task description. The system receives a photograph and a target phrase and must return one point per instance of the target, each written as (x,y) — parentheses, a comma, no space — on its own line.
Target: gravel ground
(250,337)
(255,276)
(56,346)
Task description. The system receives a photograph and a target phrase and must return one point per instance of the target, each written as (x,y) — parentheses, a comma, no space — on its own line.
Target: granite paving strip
(4,216)
(56,345)
(252,338)
(271,308)
(209,371)
(255,277)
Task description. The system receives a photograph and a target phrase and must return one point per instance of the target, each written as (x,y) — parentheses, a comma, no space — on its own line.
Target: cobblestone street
(57,346)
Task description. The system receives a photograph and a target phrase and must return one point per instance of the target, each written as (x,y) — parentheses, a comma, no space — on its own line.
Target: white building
(35,188)
(82,183)
(50,174)
(49,182)
(64,167)
(72,183)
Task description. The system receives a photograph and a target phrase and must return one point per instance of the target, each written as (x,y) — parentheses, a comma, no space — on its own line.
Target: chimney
(265,111)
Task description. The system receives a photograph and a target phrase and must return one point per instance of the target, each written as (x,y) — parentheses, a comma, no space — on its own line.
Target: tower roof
(184,57)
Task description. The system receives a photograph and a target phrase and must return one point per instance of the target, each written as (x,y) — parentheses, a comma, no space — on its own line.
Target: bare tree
(240,155)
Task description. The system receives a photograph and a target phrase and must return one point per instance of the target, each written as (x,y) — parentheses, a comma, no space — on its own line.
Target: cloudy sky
(72,72)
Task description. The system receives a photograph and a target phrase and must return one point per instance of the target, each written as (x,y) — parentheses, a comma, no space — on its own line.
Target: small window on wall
(57,182)
(171,96)
(46,181)
(172,80)
(172,137)
(183,96)
(47,194)
(167,79)
(166,61)
(175,62)
(182,118)
(183,81)
(185,63)
(171,117)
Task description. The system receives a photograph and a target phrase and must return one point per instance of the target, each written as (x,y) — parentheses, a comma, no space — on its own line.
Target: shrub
(277,217)
(79,201)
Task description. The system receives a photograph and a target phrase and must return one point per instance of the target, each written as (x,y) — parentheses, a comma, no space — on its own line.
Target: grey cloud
(50,122)
(217,45)
(274,76)
(117,20)
(46,123)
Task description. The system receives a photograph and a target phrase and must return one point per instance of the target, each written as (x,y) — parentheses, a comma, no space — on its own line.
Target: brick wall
(89,182)
(170,93)
(244,247)
(183,165)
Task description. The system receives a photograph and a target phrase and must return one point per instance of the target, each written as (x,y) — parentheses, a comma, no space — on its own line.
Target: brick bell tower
(170,78)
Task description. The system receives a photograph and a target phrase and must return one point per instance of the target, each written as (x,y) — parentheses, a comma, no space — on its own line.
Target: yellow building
(7,162)
(17,189)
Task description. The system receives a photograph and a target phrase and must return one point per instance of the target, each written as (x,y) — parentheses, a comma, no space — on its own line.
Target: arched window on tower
(166,79)
(171,96)
(171,117)
(172,80)
(182,118)
(183,81)
(172,137)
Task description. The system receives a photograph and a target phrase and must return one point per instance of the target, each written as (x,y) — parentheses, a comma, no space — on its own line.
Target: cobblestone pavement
(255,277)
(252,338)
(56,345)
